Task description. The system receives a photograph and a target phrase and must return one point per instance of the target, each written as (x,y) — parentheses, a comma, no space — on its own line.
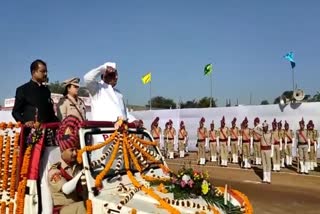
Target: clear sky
(244,39)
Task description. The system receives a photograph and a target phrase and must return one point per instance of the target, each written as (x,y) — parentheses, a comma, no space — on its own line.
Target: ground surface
(289,192)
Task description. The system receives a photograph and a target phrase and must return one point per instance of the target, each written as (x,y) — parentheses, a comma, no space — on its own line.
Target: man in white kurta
(106,102)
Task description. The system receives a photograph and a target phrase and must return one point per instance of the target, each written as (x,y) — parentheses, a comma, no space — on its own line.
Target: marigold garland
(11,206)
(101,175)
(155,179)
(125,156)
(95,147)
(144,153)
(89,206)
(14,166)
(23,182)
(152,194)
(133,211)
(139,156)
(1,147)
(247,205)
(162,188)
(149,143)
(6,164)
(133,157)
(3,207)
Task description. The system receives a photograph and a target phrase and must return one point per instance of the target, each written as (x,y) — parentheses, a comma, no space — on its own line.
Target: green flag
(208,69)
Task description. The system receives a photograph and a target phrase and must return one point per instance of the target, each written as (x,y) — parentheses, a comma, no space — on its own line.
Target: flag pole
(211,90)
(150,97)
(293,85)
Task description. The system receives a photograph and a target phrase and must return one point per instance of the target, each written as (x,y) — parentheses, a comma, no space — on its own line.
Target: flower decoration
(205,187)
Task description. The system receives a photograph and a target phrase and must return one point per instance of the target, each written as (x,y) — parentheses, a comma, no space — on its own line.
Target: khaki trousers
(312,153)
(201,150)
(213,149)
(223,151)
(303,153)
(158,142)
(266,160)
(276,155)
(76,208)
(234,147)
(288,150)
(245,150)
(257,149)
(165,147)
(181,145)
(170,146)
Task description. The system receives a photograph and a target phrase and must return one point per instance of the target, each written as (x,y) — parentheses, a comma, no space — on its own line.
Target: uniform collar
(72,98)
(34,83)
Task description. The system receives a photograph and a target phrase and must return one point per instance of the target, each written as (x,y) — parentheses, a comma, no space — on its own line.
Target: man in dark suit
(34,98)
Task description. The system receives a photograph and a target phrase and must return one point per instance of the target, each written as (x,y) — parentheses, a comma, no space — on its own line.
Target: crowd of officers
(245,146)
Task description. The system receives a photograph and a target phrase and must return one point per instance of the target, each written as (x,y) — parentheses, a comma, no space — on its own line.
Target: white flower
(186,178)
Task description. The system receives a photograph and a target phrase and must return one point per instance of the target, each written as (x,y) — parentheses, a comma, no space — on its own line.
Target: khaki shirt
(223,133)
(288,134)
(246,134)
(202,133)
(299,135)
(267,139)
(312,135)
(70,106)
(56,181)
(156,131)
(171,132)
(256,134)
(234,133)
(212,135)
(277,135)
(182,134)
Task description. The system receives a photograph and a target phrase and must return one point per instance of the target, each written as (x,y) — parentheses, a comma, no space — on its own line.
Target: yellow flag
(146,78)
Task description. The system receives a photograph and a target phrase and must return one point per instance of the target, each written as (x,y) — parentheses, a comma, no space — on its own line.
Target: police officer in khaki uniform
(282,149)
(303,148)
(182,139)
(171,133)
(313,144)
(64,176)
(213,138)
(256,142)
(70,103)
(165,136)
(277,141)
(289,140)
(224,141)
(246,135)
(201,141)
(266,150)
(156,131)
(316,145)
(235,140)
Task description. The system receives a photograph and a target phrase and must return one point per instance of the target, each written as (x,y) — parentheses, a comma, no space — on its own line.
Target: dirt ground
(289,192)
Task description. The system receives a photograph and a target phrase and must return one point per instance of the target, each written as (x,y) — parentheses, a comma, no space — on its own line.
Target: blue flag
(289,57)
